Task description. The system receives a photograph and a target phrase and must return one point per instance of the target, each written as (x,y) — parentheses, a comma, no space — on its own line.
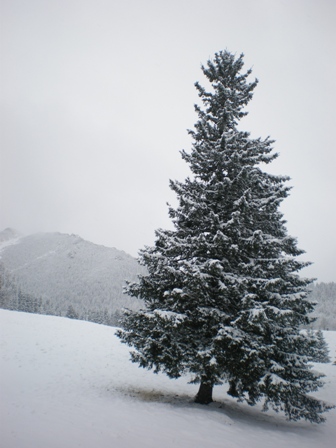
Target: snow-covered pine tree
(224,301)
(323,350)
(318,348)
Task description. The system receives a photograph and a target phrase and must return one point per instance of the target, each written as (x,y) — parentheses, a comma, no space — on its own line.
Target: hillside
(69,384)
(54,273)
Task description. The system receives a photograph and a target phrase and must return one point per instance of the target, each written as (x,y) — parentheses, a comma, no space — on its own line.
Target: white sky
(96,97)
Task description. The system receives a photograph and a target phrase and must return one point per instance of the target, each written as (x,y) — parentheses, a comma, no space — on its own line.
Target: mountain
(8,235)
(55,273)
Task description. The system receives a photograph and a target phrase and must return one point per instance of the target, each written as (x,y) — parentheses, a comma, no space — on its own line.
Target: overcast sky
(97,95)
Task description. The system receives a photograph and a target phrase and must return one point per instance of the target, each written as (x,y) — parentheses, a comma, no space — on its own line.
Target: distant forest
(324,294)
(12,297)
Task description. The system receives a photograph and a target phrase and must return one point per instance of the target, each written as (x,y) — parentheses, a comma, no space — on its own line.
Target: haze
(96,97)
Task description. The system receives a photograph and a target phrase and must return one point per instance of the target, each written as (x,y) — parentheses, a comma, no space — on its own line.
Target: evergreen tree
(224,301)
(318,348)
(71,313)
(323,350)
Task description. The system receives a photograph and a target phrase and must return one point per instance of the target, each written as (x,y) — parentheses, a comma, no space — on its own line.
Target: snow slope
(67,383)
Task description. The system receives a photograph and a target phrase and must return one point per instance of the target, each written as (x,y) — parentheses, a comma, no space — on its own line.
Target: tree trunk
(204,394)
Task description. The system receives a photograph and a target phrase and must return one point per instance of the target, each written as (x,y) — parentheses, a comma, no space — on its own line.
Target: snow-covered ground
(67,383)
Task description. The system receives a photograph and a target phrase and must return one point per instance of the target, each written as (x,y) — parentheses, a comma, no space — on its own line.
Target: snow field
(67,383)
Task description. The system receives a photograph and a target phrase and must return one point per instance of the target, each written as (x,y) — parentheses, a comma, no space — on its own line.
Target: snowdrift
(67,383)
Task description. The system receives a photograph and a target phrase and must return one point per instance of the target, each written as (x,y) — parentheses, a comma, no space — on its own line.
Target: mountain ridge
(66,274)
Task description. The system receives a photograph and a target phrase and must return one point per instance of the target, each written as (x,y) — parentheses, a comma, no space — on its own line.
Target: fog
(96,98)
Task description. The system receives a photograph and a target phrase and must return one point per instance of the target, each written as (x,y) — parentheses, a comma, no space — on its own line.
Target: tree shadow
(227,410)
